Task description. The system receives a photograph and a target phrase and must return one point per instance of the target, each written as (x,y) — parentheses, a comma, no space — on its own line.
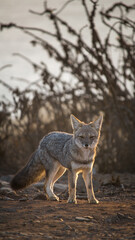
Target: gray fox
(60,151)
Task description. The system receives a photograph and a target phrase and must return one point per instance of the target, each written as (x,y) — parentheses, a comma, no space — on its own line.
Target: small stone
(5,190)
(7,198)
(82,219)
(37,221)
(89,217)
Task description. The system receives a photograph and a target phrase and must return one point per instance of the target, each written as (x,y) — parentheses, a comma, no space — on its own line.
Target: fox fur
(60,151)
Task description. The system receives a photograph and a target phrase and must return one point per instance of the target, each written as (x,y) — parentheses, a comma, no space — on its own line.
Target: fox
(61,151)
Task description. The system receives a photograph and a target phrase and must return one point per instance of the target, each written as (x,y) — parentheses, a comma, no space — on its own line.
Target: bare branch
(5,66)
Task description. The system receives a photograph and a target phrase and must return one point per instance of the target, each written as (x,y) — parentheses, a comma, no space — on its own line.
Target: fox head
(86,135)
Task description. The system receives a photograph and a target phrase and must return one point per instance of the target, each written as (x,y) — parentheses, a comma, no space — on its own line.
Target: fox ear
(76,123)
(98,123)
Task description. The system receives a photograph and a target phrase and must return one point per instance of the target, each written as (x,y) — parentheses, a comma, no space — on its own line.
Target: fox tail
(32,172)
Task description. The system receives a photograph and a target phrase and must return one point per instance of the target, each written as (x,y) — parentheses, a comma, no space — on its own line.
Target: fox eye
(81,136)
(92,137)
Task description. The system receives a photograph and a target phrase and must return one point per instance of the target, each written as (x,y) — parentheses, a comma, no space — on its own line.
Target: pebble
(82,219)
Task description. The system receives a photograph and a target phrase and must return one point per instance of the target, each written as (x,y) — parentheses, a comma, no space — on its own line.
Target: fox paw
(72,201)
(93,201)
(54,198)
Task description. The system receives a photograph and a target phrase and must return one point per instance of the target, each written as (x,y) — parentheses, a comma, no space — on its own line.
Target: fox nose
(86,145)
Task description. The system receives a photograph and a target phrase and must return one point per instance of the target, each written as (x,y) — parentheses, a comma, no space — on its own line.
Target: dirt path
(28,218)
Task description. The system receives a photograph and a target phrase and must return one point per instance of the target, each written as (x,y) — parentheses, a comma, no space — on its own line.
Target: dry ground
(28,215)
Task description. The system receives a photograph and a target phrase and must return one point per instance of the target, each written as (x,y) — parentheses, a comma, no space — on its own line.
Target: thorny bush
(94,84)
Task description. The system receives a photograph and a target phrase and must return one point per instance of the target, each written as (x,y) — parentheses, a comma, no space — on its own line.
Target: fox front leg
(87,176)
(72,179)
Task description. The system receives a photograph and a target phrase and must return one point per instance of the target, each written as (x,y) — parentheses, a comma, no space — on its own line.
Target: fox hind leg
(49,181)
(59,174)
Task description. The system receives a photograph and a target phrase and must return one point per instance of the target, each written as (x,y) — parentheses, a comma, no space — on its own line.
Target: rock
(3,183)
(83,219)
(60,187)
(109,179)
(8,192)
(8,198)
(37,221)
(5,190)
(39,185)
(122,216)
(6,178)
(89,217)
(81,185)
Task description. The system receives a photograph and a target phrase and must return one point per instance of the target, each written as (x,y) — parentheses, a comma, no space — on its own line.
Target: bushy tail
(32,172)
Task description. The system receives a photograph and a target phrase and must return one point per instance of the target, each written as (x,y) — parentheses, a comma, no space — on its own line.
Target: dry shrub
(97,85)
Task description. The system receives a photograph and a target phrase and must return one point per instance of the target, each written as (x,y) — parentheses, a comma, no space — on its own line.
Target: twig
(5,66)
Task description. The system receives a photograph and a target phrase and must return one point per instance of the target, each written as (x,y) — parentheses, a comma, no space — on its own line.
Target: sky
(15,41)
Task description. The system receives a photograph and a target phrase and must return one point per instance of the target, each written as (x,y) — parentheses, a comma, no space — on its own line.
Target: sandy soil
(28,215)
